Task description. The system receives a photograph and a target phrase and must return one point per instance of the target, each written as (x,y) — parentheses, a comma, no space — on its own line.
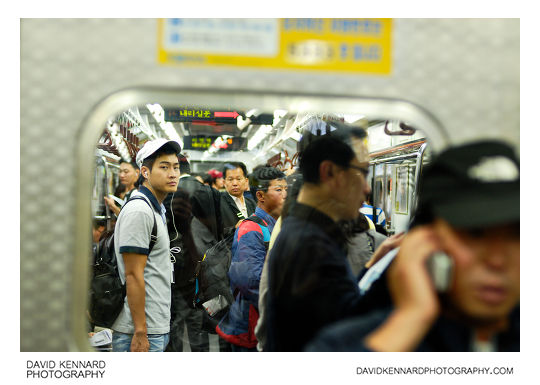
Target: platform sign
(189,114)
(205,142)
(344,45)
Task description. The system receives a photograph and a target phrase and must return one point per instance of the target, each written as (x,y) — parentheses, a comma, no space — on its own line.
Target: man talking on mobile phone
(468,209)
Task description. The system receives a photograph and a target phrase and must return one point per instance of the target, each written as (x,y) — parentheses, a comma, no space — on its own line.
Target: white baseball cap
(152,146)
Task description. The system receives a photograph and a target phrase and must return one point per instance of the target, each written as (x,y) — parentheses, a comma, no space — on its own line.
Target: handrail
(107,210)
(419,155)
(417,175)
(394,149)
(392,158)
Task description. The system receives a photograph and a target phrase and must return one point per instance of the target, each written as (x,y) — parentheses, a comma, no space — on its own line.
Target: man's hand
(415,299)
(139,342)
(383,249)
(410,283)
(112,205)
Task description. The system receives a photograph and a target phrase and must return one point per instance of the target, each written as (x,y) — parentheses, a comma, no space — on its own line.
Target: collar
(327,224)
(146,192)
(265,217)
(451,334)
(237,200)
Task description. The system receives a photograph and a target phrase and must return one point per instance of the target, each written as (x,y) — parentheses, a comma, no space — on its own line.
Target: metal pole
(417,175)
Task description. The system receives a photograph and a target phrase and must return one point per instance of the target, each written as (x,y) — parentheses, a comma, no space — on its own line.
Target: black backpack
(107,292)
(212,280)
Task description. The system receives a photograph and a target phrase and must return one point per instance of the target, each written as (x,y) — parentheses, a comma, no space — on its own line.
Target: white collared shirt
(241,204)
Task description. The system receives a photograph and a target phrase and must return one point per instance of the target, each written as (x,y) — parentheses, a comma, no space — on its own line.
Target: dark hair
(320,149)
(369,198)
(166,149)
(260,166)
(121,188)
(331,133)
(97,223)
(261,178)
(234,166)
(130,162)
(207,178)
(184,164)
(295,181)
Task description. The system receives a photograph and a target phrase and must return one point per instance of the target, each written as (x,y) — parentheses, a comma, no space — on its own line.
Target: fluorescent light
(167,127)
(261,133)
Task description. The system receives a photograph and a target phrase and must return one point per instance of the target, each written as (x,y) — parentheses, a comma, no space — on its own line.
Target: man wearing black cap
(469,210)
(145,265)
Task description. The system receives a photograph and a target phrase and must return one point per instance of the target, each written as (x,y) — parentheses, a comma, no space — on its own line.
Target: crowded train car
(255,185)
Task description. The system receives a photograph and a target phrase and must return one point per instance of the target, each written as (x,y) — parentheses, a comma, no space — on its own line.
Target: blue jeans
(122,342)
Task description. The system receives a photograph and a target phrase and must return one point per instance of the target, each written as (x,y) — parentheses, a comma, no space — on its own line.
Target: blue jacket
(248,255)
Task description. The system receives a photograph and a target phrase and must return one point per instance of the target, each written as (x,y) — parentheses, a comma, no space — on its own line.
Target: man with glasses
(249,248)
(234,206)
(310,281)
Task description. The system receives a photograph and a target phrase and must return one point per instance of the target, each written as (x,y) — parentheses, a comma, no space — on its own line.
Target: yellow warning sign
(346,45)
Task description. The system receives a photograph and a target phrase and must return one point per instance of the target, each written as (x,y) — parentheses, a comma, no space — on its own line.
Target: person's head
(158,161)
(295,183)
(98,227)
(217,181)
(207,179)
(269,188)
(199,177)
(469,194)
(128,174)
(184,165)
(235,175)
(336,162)
(369,198)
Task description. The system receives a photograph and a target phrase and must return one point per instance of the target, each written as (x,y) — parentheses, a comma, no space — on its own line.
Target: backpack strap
(153,235)
(264,228)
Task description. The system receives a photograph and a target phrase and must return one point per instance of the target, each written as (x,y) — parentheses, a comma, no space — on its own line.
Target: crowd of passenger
(312,268)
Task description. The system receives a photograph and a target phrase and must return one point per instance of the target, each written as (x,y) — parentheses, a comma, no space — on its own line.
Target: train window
(215,127)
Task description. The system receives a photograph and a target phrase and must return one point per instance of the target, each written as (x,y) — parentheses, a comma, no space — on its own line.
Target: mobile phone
(440,267)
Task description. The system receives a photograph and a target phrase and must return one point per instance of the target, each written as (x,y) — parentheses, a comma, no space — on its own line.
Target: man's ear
(259,195)
(145,172)
(326,170)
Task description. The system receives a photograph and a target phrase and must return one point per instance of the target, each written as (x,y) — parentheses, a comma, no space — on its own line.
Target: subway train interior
(233,90)
(255,138)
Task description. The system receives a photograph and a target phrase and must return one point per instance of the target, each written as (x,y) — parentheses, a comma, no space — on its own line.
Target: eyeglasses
(279,189)
(363,170)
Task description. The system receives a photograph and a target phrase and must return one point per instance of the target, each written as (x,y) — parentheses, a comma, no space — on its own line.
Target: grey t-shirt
(132,234)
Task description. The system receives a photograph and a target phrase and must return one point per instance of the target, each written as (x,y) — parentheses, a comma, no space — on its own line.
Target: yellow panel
(346,45)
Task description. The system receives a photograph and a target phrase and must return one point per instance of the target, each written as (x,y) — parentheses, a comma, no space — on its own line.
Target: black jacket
(205,224)
(446,335)
(230,213)
(310,282)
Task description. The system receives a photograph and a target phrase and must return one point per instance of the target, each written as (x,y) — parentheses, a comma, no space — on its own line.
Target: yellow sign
(345,45)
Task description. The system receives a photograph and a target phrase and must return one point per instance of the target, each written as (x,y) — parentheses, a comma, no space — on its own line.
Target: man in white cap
(144,264)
